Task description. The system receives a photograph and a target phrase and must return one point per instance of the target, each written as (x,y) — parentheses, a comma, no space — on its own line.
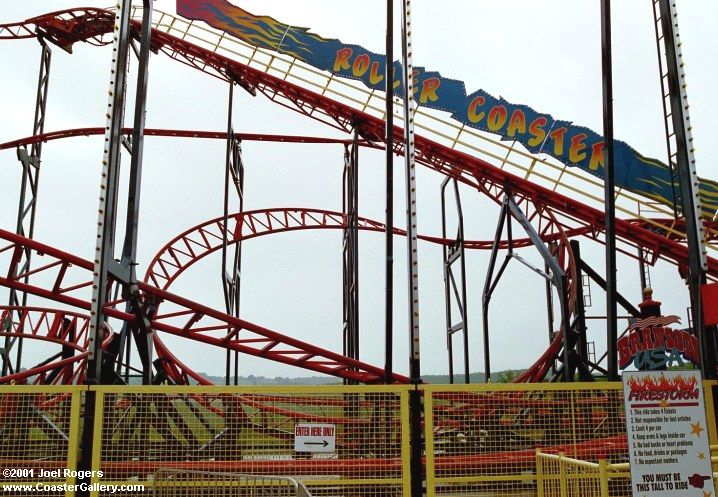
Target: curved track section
(178,133)
(173,259)
(66,330)
(198,242)
(61,276)
(63,329)
(64,27)
(673,229)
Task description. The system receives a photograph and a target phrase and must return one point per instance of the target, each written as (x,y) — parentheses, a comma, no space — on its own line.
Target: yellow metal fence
(358,436)
(482,438)
(478,439)
(39,438)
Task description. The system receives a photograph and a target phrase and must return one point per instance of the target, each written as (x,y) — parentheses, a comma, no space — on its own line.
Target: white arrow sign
(315,437)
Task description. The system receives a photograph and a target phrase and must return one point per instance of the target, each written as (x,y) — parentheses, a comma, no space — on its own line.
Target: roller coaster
(554,205)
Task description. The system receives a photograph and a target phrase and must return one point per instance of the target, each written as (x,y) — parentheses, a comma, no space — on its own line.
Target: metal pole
(105,241)
(350,209)
(354,230)
(129,251)
(464,300)
(688,181)
(642,269)
(489,283)
(568,336)
(410,171)
(447,283)
(389,232)
(609,195)
(580,323)
(549,307)
(346,260)
(141,327)
(415,408)
(107,211)
(661,42)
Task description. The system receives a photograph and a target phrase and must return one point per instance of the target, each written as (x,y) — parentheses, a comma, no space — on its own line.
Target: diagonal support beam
(558,277)
(454,293)
(27,206)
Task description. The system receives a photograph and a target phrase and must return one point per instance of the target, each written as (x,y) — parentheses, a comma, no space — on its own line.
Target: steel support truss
(27,208)
(232,263)
(453,292)
(561,279)
(58,327)
(609,193)
(350,250)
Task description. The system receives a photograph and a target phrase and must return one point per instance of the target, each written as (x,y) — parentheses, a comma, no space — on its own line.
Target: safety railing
(510,156)
(187,483)
(561,476)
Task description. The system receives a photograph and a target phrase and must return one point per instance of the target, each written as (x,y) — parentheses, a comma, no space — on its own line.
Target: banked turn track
(189,247)
(69,275)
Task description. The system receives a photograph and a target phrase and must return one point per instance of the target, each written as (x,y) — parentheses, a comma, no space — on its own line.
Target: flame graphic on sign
(261,31)
(647,383)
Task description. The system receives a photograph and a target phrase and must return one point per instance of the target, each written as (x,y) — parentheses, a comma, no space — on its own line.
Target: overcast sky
(544,54)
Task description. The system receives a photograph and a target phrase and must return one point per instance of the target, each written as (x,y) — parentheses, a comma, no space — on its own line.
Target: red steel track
(556,214)
(200,241)
(178,133)
(190,247)
(670,228)
(197,242)
(64,328)
(65,274)
(68,27)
